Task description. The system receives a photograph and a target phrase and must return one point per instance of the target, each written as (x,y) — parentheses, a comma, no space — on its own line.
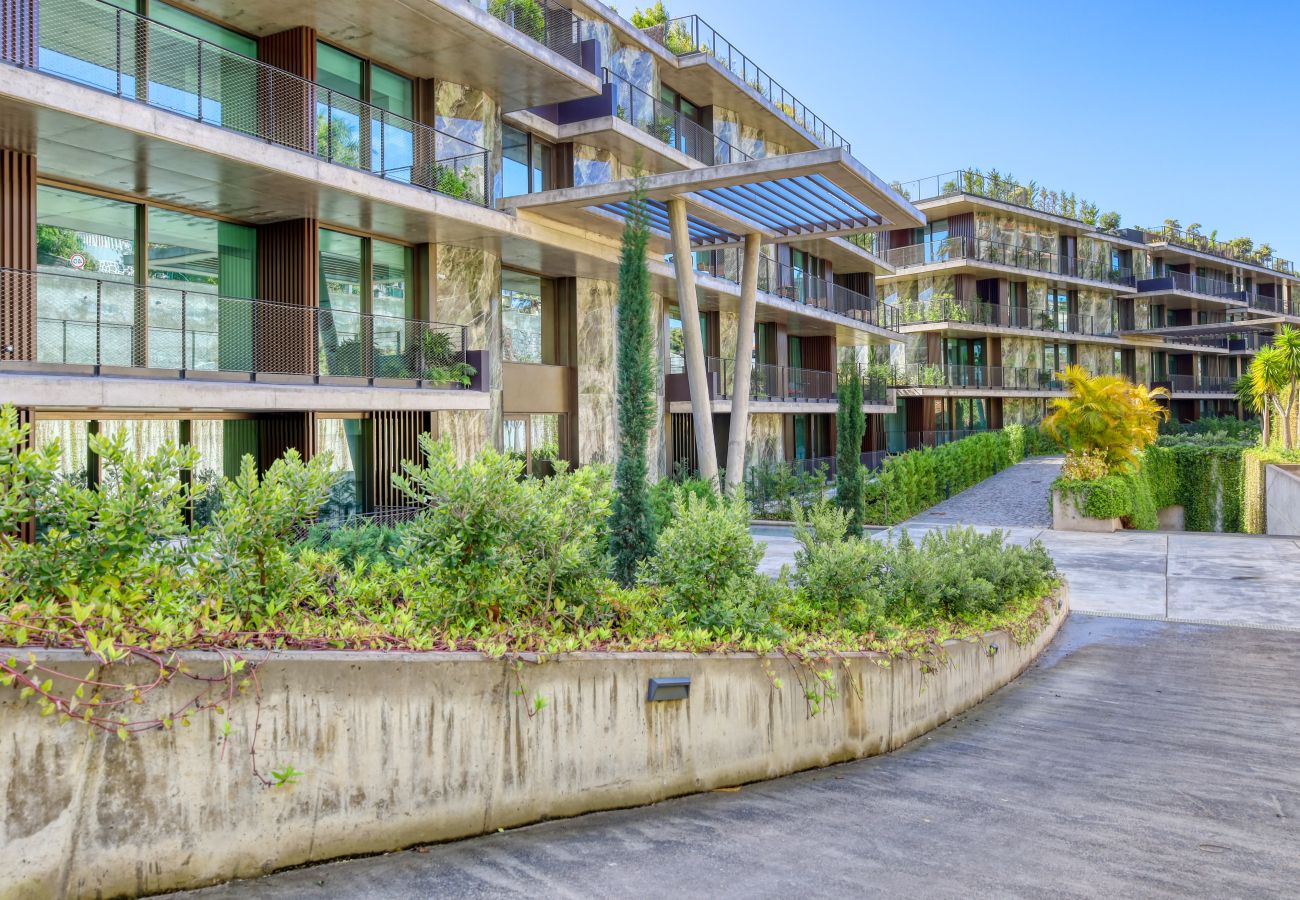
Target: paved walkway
(1134,759)
(1014,496)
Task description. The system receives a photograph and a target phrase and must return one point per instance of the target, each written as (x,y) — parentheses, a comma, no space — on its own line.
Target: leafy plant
(632,532)
(1106,414)
(653,15)
(851,428)
(524,15)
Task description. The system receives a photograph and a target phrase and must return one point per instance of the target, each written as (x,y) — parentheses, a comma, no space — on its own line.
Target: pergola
(778,199)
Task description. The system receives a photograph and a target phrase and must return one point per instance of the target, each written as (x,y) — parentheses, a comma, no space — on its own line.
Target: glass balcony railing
(1197,384)
(996,378)
(100,45)
(943,309)
(981,250)
(662,122)
(691,34)
(1195,284)
(799,286)
(87,321)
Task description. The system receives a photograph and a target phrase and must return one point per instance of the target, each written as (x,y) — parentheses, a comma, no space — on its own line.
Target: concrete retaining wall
(402,749)
(1282,499)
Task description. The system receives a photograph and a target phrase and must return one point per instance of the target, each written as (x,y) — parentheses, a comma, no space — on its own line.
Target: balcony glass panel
(341,301)
(84,320)
(521,317)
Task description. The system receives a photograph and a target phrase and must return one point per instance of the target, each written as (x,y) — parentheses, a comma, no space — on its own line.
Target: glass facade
(527,163)
(366,306)
(521,317)
(358,134)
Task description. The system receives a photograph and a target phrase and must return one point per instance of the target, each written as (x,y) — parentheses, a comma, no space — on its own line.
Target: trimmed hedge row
(918,479)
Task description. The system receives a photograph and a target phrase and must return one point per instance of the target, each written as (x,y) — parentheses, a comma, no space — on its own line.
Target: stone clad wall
(402,749)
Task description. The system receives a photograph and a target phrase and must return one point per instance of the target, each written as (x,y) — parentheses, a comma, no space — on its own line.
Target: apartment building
(1007,284)
(333,225)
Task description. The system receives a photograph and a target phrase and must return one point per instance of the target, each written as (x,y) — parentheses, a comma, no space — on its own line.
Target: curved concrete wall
(401,749)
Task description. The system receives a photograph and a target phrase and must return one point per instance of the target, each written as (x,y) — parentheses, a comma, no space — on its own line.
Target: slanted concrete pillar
(696,376)
(739,431)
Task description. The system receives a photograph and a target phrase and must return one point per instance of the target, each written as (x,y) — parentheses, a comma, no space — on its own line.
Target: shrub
(705,565)
(665,492)
(838,579)
(492,545)
(356,546)
(850,428)
(1084,465)
(1254,462)
(776,489)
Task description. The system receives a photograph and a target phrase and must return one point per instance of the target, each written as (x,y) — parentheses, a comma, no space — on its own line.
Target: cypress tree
(851,427)
(631,526)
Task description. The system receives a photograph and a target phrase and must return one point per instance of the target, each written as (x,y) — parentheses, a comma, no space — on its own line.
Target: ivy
(1251,497)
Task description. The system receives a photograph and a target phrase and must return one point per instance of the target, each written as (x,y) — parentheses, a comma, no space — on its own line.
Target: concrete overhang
(943,391)
(48,391)
(1177,298)
(970,329)
(818,193)
(955,204)
(451,40)
(622,138)
(845,257)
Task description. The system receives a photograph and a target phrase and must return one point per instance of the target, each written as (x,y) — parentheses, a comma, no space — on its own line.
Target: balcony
(773,384)
(674,140)
(98,45)
(1192,284)
(978,378)
(1197,384)
(958,312)
(98,326)
(797,286)
(1199,243)
(523,53)
(691,38)
(979,250)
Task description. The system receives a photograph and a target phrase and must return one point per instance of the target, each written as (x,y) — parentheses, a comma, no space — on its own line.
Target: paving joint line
(1220,623)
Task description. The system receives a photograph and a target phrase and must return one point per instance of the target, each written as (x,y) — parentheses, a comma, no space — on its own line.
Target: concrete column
(696,376)
(744,354)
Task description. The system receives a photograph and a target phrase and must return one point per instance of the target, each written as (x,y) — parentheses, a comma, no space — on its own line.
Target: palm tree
(1268,382)
(1245,391)
(1287,343)
(1106,414)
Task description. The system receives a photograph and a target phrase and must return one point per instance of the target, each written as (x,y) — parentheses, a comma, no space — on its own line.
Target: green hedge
(918,479)
(1205,480)
(1251,496)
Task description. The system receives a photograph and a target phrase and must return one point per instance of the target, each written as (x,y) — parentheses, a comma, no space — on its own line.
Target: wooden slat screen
(17,252)
(288,263)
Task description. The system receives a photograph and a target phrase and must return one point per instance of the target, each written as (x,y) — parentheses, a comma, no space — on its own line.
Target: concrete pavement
(1135,758)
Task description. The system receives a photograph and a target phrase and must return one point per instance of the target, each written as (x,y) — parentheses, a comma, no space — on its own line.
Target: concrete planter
(1172,518)
(402,749)
(1066,516)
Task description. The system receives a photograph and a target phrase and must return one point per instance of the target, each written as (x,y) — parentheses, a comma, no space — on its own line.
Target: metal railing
(662,122)
(105,47)
(1279,305)
(945,309)
(993,187)
(790,283)
(918,439)
(1228,250)
(771,383)
(1196,284)
(92,322)
(546,22)
(983,250)
(1197,384)
(691,34)
(1006,378)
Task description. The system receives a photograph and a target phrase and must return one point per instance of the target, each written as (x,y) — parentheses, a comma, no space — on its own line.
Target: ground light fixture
(663,689)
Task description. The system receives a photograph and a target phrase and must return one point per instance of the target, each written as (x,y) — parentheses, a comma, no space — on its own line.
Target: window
(934,237)
(528,163)
(1056,317)
(808,275)
(521,317)
(537,440)
(89,307)
(366,307)
(1056,357)
(677,339)
(376,137)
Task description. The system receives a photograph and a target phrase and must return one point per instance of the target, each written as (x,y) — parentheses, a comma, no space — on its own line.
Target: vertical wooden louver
(277,434)
(17,255)
(286,104)
(288,265)
(396,438)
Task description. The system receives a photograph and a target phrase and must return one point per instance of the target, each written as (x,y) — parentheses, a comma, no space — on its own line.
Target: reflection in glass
(338,110)
(521,317)
(514,161)
(342,439)
(85,237)
(341,303)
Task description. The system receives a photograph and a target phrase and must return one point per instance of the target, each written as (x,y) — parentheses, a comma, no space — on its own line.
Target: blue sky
(1155,109)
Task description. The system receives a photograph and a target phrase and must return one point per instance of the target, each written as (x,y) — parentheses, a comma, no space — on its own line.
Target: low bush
(357,545)
(776,490)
